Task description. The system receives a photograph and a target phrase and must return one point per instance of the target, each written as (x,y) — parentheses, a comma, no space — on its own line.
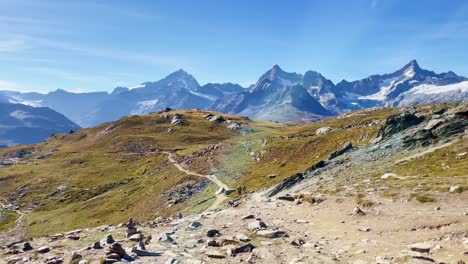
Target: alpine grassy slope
(390,162)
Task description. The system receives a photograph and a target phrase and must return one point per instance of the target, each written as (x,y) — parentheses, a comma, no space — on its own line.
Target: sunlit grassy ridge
(106,174)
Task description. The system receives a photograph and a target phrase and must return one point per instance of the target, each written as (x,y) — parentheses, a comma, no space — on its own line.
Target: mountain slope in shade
(23,124)
(277,96)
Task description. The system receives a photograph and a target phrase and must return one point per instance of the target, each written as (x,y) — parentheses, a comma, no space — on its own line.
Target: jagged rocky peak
(184,78)
(276,74)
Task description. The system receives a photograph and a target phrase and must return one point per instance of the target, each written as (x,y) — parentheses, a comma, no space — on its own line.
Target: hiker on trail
(244,189)
(239,191)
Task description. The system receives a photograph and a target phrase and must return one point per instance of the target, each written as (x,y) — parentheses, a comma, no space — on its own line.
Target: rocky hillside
(372,186)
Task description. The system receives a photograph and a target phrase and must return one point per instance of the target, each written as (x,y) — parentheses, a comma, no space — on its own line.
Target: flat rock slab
(271,233)
(424,247)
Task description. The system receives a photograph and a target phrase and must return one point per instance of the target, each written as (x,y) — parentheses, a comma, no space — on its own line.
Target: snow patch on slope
(21,115)
(385,88)
(434,89)
(144,107)
(211,98)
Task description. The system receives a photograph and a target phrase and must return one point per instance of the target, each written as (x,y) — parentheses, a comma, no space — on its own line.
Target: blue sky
(98,45)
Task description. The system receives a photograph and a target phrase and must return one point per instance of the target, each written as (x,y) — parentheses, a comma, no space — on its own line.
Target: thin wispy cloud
(9,45)
(72,76)
(6,85)
(18,42)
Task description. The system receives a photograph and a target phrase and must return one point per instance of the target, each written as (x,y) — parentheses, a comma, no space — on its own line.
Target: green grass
(423,198)
(7,219)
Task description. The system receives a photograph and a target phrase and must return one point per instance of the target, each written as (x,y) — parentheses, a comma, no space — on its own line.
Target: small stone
(272,176)
(117,249)
(421,247)
(358,211)
(215,254)
(195,225)
(97,245)
(144,253)
(255,225)
(297,242)
(73,236)
(113,256)
(251,216)
(27,246)
(242,237)
(141,245)
(243,249)
(76,256)
(213,243)
(456,189)
(135,237)
(166,237)
(437,208)
(364,229)
(109,239)
(389,175)
(213,233)
(43,250)
(286,198)
(171,261)
(271,233)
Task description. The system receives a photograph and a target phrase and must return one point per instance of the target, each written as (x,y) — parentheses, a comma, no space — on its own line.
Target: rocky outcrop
(345,148)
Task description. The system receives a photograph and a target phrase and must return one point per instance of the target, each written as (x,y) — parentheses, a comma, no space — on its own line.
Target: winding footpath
(220,197)
(19,221)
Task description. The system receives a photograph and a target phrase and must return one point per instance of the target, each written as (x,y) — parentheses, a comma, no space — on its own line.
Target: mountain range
(277,95)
